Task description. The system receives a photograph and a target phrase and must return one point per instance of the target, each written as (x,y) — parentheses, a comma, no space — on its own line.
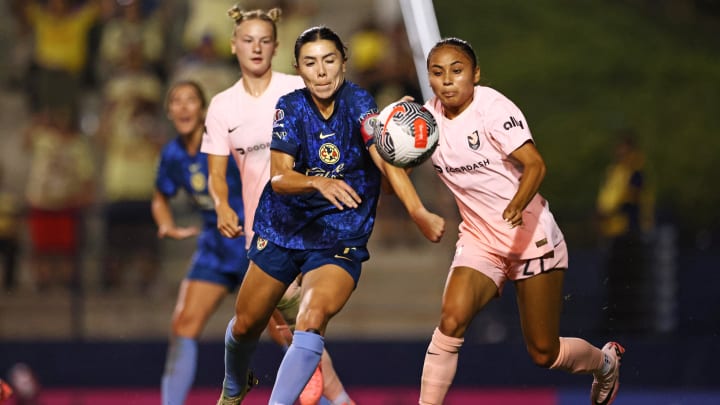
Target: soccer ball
(407,134)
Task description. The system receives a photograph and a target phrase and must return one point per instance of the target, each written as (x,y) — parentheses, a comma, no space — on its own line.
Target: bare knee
(454,323)
(186,325)
(247,327)
(313,317)
(543,355)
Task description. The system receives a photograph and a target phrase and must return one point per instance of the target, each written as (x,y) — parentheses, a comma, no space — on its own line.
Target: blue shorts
(219,260)
(285,264)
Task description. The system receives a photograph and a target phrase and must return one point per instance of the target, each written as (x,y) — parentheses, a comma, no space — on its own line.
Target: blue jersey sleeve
(363,106)
(286,132)
(164,181)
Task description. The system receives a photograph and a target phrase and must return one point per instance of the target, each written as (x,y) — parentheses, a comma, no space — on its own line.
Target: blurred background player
(59,188)
(10,220)
(626,210)
(130,138)
(219,263)
(60,31)
(239,123)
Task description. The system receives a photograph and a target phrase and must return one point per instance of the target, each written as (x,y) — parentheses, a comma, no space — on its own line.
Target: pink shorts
(499,268)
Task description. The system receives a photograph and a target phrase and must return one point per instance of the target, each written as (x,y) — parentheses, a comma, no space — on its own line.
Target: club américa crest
(329,153)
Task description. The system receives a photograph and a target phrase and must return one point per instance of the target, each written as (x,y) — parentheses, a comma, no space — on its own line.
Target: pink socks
(439,369)
(578,357)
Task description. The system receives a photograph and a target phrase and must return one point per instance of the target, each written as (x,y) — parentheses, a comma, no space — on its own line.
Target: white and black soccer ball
(407,134)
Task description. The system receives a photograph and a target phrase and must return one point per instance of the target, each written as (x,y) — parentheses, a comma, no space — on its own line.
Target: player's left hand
(178,232)
(512,216)
(339,193)
(431,225)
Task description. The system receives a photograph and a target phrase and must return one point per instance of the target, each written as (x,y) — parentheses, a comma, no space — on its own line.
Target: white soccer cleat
(605,388)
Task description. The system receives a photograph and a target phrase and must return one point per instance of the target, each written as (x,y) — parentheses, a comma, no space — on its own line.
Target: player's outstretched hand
(178,232)
(431,225)
(228,222)
(406,98)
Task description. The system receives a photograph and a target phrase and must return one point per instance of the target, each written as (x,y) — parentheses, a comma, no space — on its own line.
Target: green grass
(580,70)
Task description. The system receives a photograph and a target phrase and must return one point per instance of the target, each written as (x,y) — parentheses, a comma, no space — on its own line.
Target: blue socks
(237,362)
(297,367)
(179,373)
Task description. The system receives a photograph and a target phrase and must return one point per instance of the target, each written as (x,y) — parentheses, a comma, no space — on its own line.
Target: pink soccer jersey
(473,160)
(239,124)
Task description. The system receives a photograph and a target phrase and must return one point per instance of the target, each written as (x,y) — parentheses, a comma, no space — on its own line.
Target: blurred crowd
(92,75)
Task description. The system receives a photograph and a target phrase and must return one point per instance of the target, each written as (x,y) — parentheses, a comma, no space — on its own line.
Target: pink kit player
(488,159)
(240,124)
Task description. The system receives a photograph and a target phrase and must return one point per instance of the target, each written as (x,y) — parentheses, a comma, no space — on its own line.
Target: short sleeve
(364,105)
(163,180)
(507,124)
(215,138)
(286,133)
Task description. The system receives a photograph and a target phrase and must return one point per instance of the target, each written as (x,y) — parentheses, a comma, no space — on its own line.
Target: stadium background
(579,70)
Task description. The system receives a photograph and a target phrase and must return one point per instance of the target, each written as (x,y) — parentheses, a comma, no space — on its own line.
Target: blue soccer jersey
(180,170)
(217,259)
(332,148)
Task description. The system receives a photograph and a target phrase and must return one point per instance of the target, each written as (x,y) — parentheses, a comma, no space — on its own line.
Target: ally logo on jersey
(512,123)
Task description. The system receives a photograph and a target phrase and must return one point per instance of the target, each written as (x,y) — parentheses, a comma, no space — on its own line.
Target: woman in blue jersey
(314,217)
(218,264)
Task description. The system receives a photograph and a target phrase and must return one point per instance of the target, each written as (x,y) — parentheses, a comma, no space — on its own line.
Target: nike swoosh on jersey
(231,130)
(323,136)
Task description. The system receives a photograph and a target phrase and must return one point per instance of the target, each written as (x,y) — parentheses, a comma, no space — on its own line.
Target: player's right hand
(339,193)
(431,225)
(228,221)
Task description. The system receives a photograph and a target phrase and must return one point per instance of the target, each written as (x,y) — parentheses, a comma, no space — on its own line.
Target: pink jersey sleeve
(505,123)
(215,139)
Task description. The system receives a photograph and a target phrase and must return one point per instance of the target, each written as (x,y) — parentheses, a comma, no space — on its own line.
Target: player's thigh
(467,291)
(256,299)
(325,291)
(197,301)
(539,301)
